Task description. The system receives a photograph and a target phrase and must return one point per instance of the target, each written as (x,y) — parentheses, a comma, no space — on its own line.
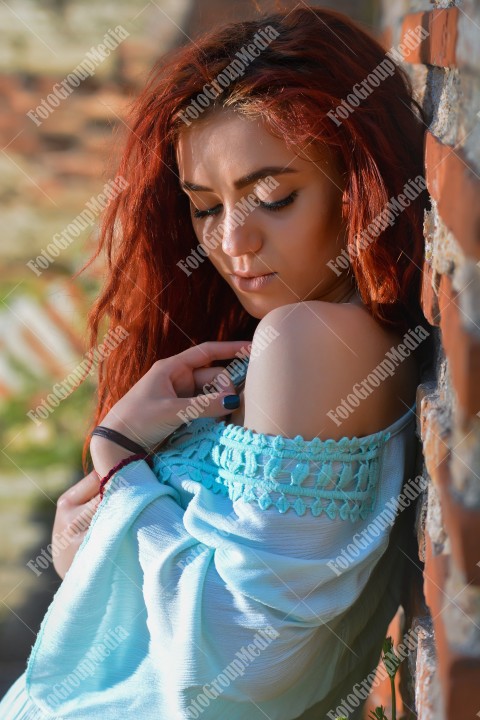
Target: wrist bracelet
(122,463)
(119,439)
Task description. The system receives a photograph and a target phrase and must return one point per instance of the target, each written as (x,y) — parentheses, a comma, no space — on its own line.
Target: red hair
(302,75)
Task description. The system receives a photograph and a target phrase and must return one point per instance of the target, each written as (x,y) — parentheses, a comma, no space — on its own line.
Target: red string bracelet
(122,463)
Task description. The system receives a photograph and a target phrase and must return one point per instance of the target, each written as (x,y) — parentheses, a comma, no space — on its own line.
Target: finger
(83,490)
(204,405)
(206,352)
(80,518)
(213,379)
(85,513)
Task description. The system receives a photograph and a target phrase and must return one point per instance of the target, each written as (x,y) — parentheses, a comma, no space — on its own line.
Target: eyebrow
(245,180)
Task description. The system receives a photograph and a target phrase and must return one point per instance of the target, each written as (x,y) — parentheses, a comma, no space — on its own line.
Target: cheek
(302,236)
(213,252)
(306,246)
(320,228)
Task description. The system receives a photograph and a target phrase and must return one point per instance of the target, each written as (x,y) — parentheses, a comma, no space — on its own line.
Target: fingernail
(231,402)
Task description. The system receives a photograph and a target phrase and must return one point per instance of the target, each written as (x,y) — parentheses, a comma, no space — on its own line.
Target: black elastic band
(118,438)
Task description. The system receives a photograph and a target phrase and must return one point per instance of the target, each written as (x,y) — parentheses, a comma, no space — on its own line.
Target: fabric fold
(191,596)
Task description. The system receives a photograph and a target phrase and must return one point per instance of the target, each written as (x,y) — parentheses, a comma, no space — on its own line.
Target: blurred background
(50,169)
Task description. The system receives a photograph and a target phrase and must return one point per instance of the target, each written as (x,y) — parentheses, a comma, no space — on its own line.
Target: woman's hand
(75,509)
(161,400)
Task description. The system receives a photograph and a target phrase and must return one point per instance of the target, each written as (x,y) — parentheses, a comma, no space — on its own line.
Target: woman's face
(293,243)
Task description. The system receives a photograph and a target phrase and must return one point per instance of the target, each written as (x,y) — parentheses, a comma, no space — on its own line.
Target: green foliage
(378,714)
(390,660)
(392,663)
(57,439)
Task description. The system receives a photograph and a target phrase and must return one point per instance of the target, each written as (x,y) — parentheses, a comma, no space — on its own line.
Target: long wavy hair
(303,74)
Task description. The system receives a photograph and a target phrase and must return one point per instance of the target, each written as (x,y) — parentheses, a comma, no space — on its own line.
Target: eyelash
(273,207)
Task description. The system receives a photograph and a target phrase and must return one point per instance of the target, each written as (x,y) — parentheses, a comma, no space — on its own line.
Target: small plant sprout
(378,714)
(391,662)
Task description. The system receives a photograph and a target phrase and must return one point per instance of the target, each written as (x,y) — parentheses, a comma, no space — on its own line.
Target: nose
(241,234)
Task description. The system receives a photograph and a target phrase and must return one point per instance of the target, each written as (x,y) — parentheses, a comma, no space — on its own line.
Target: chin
(259,309)
(253,311)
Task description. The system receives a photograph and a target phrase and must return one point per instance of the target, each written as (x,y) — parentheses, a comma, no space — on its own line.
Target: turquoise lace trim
(337,478)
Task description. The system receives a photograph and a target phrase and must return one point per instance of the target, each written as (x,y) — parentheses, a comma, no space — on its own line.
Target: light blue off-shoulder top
(245,576)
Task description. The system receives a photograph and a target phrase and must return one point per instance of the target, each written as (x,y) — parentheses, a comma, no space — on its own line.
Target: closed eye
(273,207)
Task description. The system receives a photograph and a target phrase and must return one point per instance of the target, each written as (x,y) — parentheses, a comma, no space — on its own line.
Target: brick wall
(51,167)
(445,671)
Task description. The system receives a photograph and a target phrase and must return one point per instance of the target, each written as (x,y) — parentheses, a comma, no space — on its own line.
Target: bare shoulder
(310,358)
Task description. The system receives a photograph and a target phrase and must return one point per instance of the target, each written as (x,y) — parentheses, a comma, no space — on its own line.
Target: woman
(246,565)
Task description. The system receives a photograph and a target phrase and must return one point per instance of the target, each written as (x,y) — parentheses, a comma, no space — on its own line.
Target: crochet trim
(338,478)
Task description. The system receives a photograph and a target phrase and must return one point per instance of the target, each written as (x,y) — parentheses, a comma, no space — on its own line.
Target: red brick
(455,186)
(71,164)
(429,294)
(463,352)
(462,526)
(435,438)
(67,119)
(459,674)
(435,574)
(25,144)
(439,47)
(460,680)
(107,105)
(8,84)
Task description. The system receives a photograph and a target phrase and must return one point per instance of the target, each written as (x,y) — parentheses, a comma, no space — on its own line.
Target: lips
(252,283)
(249,274)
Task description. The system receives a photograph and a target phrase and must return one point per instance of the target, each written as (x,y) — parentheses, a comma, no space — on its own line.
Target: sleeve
(235,588)
(258,549)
